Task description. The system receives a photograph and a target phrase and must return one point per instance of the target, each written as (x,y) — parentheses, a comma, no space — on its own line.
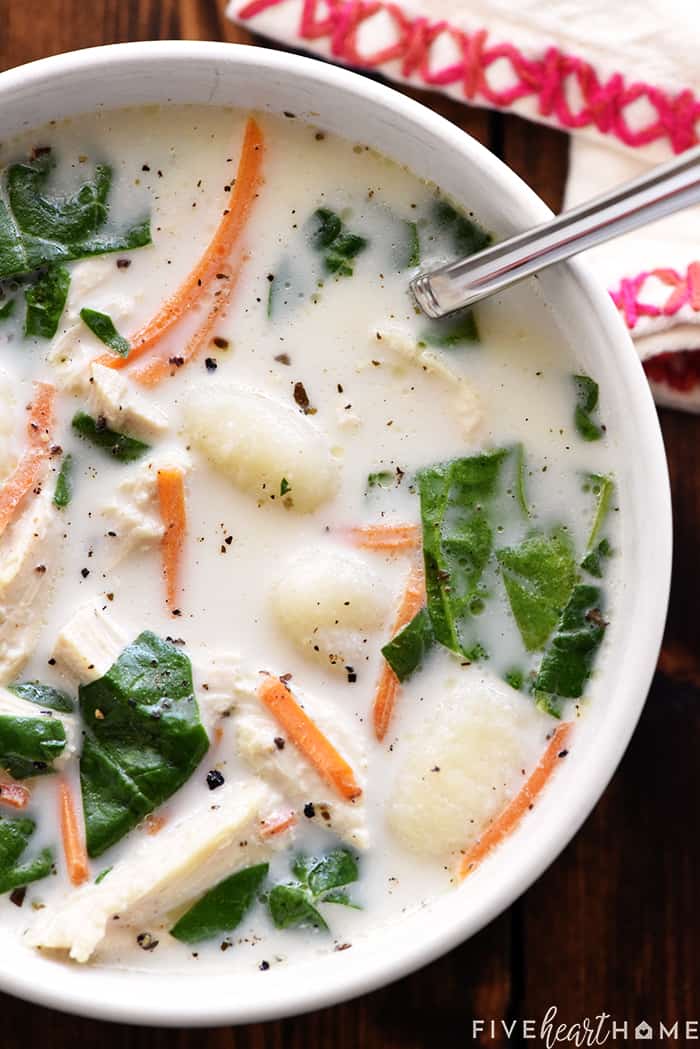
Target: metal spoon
(665,189)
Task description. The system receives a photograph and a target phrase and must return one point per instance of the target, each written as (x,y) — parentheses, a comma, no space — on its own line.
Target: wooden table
(614,924)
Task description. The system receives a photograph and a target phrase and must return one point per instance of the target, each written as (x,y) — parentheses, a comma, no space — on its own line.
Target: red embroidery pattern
(546,78)
(680,370)
(685,290)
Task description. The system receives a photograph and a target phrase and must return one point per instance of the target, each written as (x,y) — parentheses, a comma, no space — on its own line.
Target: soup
(302,594)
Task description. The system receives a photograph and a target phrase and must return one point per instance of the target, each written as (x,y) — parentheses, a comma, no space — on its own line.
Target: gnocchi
(264,447)
(327,602)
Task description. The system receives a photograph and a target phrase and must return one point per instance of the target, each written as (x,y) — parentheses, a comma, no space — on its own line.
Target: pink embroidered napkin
(622,77)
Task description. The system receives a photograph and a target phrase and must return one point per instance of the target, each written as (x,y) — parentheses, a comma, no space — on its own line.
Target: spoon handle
(662,191)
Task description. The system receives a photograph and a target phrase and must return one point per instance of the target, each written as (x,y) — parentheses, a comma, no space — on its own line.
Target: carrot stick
(386,536)
(41,412)
(171,499)
(413,597)
(26,476)
(14,795)
(308,738)
(72,835)
(385,696)
(159,365)
(202,278)
(387,690)
(521,803)
(28,473)
(154,824)
(277,824)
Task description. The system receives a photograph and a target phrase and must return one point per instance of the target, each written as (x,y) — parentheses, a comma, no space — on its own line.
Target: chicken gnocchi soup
(301,593)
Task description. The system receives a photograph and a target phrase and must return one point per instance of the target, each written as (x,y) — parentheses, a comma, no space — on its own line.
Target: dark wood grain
(613,925)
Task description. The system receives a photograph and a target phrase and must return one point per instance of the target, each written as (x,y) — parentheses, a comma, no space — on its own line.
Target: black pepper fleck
(302,398)
(146,942)
(309,810)
(214,779)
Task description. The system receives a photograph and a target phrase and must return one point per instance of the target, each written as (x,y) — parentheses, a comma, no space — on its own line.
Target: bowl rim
(289,996)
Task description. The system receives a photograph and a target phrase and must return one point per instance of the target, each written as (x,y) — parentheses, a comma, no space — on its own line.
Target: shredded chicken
(164,873)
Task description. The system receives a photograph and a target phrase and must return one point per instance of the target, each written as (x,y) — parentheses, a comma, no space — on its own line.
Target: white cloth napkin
(622,77)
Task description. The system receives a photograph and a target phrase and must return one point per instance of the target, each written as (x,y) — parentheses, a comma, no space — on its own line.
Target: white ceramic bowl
(360,109)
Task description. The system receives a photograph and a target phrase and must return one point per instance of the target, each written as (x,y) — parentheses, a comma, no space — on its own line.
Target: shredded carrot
(171,499)
(387,690)
(14,795)
(72,835)
(386,536)
(28,473)
(521,803)
(201,280)
(160,364)
(154,824)
(413,597)
(41,414)
(277,824)
(309,739)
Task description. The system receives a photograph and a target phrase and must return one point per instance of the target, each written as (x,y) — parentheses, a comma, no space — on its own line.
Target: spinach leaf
(344,248)
(13,257)
(14,839)
(602,488)
(586,406)
(466,235)
(593,562)
(412,255)
(222,908)
(7,309)
(566,665)
(45,696)
(381,479)
(45,299)
(112,803)
(28,746)
(124,448)
(457,541)
(64,484)
(548,703)
(515,678)
(319,880)
(332,871)
(342,899)
(290,907)
(539,575)
(448,332)
(144,743)
(38,229)
(326,226)
(102,325)
(338,246)
(520,486)
(407,650)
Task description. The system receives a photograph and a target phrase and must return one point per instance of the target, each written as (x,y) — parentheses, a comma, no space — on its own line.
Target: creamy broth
(346,360)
